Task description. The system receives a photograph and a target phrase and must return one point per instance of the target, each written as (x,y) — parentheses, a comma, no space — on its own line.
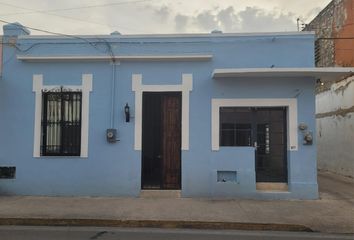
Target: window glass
(235,126)
(61,124)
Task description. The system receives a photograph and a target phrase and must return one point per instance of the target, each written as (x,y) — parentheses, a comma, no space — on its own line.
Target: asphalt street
(92,233)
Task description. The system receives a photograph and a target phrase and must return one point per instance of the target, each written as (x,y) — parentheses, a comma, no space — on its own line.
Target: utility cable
(53,33)
(70,18)
(67,9)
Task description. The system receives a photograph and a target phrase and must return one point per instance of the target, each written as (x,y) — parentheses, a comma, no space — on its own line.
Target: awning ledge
(323,74)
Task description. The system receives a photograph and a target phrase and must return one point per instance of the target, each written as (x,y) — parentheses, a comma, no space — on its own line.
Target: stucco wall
(335,128)
(334,27)
(115,169)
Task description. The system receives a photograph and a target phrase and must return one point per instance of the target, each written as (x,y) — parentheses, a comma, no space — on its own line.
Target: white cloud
(164,16)
(251,19)
(181,22)
(163,13)
(255,19)
(229,20)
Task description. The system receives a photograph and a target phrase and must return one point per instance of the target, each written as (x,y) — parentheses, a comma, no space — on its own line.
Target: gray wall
(335,128)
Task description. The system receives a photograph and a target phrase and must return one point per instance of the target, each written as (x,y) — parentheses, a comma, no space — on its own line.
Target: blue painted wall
(115,169)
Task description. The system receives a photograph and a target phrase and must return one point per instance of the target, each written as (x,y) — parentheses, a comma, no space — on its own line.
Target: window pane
(61,123)
(228,137)
(235,126)
(243,135)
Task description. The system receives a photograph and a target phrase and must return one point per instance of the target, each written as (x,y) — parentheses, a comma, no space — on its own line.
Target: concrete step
(272,186)
(160,193)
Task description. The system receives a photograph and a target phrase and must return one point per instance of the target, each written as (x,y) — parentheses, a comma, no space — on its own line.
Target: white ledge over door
(132,58)
(325,74)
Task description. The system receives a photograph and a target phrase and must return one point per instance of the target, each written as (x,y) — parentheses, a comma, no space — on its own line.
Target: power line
(72,18)
(68,9)
(108,45)
(49,32)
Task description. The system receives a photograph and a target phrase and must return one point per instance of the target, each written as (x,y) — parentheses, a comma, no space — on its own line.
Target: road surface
(93,233)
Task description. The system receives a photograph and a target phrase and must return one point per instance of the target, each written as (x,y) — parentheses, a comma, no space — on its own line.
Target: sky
(159,16)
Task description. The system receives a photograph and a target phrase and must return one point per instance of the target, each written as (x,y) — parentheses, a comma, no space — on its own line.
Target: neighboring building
(334,27)
(211,115)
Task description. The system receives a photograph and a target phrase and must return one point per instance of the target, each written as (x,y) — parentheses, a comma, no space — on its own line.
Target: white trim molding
(137,37)
(290,103)
(136,58)
(138,87)
(325,74)
(85,88)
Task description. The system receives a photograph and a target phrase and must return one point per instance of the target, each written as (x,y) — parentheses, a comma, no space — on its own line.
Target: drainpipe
(113,93)
(111,133)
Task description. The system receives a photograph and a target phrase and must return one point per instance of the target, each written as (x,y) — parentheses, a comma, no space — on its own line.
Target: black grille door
(271,143)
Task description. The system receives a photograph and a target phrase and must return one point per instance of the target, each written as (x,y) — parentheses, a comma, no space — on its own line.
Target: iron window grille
(7,172)
(61,123)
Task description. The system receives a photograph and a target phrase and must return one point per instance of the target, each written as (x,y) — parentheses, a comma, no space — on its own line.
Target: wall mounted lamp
(318,81)
(127,112)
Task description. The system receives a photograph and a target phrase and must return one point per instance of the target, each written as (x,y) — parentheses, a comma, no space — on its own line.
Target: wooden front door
(171,141)
(161,140)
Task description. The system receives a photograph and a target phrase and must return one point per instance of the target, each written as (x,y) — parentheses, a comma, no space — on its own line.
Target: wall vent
(227,176)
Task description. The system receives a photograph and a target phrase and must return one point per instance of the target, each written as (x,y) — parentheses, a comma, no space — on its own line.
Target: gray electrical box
(111,135)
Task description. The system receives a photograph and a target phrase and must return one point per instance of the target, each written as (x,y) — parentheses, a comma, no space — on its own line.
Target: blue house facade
(210,115)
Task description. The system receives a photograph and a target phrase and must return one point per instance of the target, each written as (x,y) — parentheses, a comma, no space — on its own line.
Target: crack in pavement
(98,235)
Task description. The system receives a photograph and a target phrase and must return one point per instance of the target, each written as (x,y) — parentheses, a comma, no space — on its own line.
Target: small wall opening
(227,176)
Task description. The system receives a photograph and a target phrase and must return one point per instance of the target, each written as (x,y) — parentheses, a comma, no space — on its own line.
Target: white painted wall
(335,133)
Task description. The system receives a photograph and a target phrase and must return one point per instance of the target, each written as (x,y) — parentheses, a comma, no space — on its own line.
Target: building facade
(209,115)
(334,27)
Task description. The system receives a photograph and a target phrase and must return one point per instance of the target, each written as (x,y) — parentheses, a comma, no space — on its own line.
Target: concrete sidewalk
(332,213)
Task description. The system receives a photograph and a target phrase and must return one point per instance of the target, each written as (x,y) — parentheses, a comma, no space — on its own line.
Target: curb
(154,224)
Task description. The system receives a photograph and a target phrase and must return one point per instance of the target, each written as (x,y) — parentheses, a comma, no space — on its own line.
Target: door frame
(284,111)
(289,103)
(185,87)
(291,121)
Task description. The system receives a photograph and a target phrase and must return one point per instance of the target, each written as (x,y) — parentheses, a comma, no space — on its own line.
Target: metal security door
(270,144)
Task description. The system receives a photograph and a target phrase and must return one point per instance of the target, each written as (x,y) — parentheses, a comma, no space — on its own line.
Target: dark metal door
(270,143)
(161,141)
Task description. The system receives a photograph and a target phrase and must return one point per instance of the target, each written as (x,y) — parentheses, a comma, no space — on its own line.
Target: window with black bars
(61,123)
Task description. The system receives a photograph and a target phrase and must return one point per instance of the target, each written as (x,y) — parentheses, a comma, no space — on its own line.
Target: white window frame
(85,88)
(290,103)
(138,87)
